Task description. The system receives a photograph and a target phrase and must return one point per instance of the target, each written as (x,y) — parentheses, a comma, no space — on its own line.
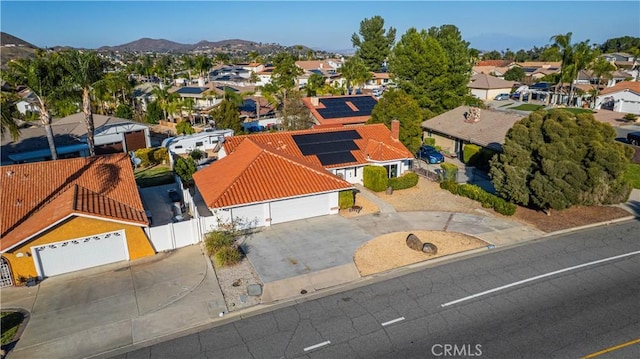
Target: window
(198,144)
(178,147)
(392,170)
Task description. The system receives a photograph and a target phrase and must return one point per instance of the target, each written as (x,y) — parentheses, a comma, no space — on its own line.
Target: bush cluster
(221,245)
(429,141)
(345,199)
(449,171)
(152,156)
(469,151)
(408,180)
(476,193)
(375,178)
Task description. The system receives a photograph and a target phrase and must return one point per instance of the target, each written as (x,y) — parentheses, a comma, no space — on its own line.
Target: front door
(6,280)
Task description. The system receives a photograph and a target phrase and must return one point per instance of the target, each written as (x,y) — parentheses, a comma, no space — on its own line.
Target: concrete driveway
(101,309)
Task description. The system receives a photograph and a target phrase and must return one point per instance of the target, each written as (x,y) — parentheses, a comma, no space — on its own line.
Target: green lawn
(633,174)
(527,107)
(10,323)
(154,176)
(507,104)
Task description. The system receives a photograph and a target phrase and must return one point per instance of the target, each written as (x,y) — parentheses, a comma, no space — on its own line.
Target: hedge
(476,193)
(408,180)
(345,199)
(430,141)
(152,156)
(469,151)
(450,171)
(375,178)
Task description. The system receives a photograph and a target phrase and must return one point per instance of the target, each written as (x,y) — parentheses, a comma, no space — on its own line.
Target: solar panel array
(225,88)
(191,90)
(331,148)
(338,108)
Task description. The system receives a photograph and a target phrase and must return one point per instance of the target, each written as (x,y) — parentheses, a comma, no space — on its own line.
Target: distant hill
(14,48)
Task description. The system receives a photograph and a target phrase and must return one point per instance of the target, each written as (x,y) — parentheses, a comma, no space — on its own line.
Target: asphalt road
(571,313)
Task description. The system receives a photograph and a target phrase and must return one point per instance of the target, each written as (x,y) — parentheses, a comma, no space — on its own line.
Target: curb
(587,226)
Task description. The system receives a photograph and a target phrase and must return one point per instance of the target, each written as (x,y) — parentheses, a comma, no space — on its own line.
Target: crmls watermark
(456,350)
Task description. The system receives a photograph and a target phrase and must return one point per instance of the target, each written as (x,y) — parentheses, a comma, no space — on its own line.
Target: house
(486,87)
(111,135)
(340,110)
(328,68)
(623,97)
(379,79)
(462,125)
(277,177)
(202,96)
(27,102)
(67,215)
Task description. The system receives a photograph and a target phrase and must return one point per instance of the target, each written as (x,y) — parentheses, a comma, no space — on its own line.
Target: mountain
(148,45)
(14,48)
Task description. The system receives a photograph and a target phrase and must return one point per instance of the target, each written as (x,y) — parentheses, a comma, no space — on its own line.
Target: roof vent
(315,101)
(18,202)
(10,173)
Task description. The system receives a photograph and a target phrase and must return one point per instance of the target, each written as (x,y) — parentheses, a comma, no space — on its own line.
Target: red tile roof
(36,195)
(378,134)
(621,86)
(255,173)
(341,120)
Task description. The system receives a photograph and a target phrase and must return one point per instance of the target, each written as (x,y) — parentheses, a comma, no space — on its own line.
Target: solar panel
(327,147)
(326,137)
(225,88)
(338,108)
(327,159)
(191,90)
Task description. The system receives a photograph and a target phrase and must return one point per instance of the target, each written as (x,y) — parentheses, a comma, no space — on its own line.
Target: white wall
(625,101)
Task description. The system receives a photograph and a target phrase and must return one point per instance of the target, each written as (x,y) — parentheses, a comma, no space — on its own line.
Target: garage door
(80,253)
(299,208)
(250,216)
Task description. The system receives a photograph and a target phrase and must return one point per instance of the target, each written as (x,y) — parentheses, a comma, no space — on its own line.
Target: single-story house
(67,215)
(486,87)
(340,110)
(276,177)
(112,135)
(462,125)
(623,97)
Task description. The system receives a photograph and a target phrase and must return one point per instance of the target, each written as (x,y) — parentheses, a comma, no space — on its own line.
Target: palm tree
(39,74)
(563,42)
(582,56)
(164,98)
(354,72)
(7,107)
(84,70)
(602,70)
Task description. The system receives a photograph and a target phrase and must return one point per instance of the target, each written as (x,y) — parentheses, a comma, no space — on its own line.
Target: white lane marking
(393,321)
(539,277)
(317,346)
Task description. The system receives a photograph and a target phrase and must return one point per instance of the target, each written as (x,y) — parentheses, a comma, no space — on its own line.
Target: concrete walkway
(382,205)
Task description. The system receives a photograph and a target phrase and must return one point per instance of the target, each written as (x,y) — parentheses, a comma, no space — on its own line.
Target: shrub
(476,193)
(450,172)
(185,128)
(196,154)
(216,240)
(469,151)
(629,117)
(227,256)
(430,141)
(345,199)
(145,155)
(375,178)
(161,155)
(408,180)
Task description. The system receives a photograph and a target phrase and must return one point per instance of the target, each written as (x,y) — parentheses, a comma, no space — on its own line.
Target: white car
(501,97)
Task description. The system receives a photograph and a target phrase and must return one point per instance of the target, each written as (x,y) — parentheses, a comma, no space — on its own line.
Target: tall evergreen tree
(374,43)
(398,105)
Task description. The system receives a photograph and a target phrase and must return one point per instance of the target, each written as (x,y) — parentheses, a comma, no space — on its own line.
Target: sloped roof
(488,82)
(489,132)
(256,173)
(494,63)
(622,86)
(35,195)
(356,116)
(284,142)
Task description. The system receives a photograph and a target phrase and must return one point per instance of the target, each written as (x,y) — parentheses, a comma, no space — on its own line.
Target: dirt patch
(366,207)
(390,250)
(568,218)
(233,282)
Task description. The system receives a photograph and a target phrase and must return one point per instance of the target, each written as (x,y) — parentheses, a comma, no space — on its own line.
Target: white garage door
(80,253)
(250,216)
(299,208)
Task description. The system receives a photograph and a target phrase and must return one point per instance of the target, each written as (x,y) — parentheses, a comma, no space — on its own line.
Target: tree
(315,82)
(563,43)
(283,79)
(492,55)
(84,70)
(419,67)
(374,43)
(185,168)
(555,160)
(202,64)
(458,63)
(164,99)
(581,57)
(8,109)
(124,111)
(154,113)
(355,72)
(602,70)
(184,128)
(295,115)
(39,74)
(515,73)
(227,115)
(398,105)
(620,44)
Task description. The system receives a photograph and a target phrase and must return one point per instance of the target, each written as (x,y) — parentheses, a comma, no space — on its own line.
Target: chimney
(395,129)
(314,101)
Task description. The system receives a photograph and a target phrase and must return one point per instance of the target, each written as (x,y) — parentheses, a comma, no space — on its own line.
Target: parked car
(430,154)
(634,138)
(516,96)
(501,97)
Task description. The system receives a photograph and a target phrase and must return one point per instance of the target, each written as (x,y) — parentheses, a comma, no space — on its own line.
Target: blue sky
(327,25)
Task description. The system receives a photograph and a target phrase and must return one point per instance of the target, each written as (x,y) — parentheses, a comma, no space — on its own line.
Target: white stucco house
(486,87)
(623,97)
